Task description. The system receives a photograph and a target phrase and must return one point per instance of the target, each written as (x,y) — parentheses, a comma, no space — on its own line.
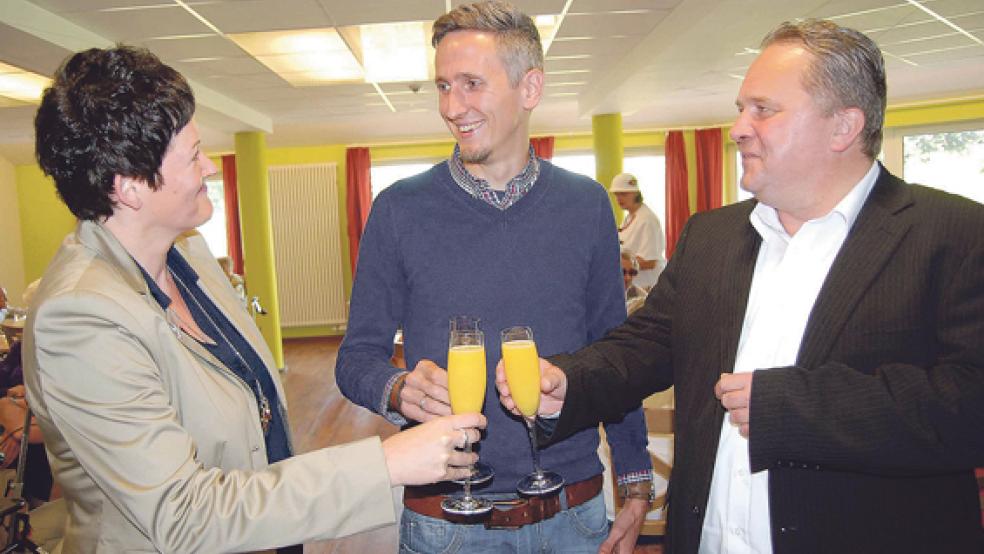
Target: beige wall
(11,250)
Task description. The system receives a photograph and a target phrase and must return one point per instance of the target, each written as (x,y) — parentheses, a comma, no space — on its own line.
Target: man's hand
(625,530)
(553,388)
(425,392)
(734,390)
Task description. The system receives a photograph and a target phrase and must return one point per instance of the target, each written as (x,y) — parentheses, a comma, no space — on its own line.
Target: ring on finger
(464,439)
(422,400)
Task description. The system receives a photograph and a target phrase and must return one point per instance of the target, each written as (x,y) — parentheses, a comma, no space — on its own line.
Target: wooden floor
(320,416)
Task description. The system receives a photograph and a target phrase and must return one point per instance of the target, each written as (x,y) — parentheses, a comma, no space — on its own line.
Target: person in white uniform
(641,232)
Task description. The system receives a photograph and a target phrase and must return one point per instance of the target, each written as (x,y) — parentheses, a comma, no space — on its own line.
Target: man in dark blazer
(825,340)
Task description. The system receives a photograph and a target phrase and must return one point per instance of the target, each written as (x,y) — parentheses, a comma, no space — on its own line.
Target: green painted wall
(607,143)
(253,183)
(44,219)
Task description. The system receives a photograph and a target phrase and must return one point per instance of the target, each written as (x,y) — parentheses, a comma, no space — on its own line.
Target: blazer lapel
(876,234)
(739,266)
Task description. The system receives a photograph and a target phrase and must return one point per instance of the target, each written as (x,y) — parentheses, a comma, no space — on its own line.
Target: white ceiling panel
(242,65)
(606,24)
(970,21)
(140,24)
(75,6)
(345,12)
(948,56)
(581,6)
(908,31)
(950,8)
(946,42)
(597,47)
(207,46)
(245,16)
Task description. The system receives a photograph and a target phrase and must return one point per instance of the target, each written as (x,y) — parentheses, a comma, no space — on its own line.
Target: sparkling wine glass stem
(536,451)
(468,449)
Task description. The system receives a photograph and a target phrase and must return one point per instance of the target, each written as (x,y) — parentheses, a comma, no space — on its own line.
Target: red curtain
(677,194)
(709,169)
(359,197)
(233,231)
(543,147)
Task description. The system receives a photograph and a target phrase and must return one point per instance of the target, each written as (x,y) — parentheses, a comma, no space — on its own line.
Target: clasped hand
(734,390)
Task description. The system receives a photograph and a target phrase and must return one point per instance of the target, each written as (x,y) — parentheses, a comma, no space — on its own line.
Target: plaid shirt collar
(516,188)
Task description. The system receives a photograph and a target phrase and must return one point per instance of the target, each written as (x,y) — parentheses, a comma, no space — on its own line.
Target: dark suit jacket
(871,438)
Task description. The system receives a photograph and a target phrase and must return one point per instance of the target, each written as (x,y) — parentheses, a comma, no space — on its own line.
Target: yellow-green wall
(44,219)
(951,111)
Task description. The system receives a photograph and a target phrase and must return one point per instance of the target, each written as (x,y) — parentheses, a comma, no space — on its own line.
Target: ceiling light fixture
(396,52)
(303,57)
(21,86)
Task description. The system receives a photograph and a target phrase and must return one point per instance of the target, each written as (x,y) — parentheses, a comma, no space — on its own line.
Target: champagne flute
(481,471)
(522,366)
(466,387)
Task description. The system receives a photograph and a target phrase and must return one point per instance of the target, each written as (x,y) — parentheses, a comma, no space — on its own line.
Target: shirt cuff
(391,416)
(635,477)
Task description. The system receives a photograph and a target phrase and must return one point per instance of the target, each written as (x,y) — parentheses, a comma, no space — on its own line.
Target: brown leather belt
(507,514)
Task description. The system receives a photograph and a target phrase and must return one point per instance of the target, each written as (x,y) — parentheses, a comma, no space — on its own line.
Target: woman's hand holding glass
(466,388)
(428,452)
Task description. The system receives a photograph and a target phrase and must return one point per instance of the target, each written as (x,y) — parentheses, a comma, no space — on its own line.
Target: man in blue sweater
(495,233)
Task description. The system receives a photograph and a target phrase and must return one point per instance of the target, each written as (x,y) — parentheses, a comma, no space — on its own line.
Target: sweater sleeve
(363,370)
(606,309)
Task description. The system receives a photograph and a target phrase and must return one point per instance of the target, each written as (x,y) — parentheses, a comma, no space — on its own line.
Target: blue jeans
(581,529)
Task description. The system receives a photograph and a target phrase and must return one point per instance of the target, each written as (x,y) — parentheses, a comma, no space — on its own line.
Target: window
(384,175)
(576,163)
(951,160)
(214,230)
(649,169)
(742,194)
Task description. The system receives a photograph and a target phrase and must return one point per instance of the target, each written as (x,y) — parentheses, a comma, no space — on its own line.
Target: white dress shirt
(788,275)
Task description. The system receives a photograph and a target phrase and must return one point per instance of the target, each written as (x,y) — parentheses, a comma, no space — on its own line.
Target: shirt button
(736,531)
(255,448)
(695,509)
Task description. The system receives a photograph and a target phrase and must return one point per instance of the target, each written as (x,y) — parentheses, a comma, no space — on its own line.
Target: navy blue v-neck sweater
(431,251)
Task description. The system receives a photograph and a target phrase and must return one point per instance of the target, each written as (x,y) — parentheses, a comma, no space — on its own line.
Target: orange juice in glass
(523,374)
(466,387)
(522,365)
(466,378)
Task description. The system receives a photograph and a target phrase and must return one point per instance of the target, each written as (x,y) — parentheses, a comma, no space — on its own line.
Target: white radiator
(307,244)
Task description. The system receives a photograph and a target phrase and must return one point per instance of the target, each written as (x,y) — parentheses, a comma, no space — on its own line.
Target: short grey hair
(848,72)
(517,38)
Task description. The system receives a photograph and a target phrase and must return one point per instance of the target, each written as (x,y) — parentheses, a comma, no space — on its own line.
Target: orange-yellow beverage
(466,378)
(523,374)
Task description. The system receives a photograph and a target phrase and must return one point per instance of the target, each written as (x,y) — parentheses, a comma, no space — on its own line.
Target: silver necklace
(263,403)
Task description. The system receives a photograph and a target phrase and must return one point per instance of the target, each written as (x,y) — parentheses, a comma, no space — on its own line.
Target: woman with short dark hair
(161,409)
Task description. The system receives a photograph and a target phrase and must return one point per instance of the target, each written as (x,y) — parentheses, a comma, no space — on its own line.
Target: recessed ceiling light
(20,85)
(396,52)
(303,57)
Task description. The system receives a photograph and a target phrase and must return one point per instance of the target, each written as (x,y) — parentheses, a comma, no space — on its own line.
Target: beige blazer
(157,445)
